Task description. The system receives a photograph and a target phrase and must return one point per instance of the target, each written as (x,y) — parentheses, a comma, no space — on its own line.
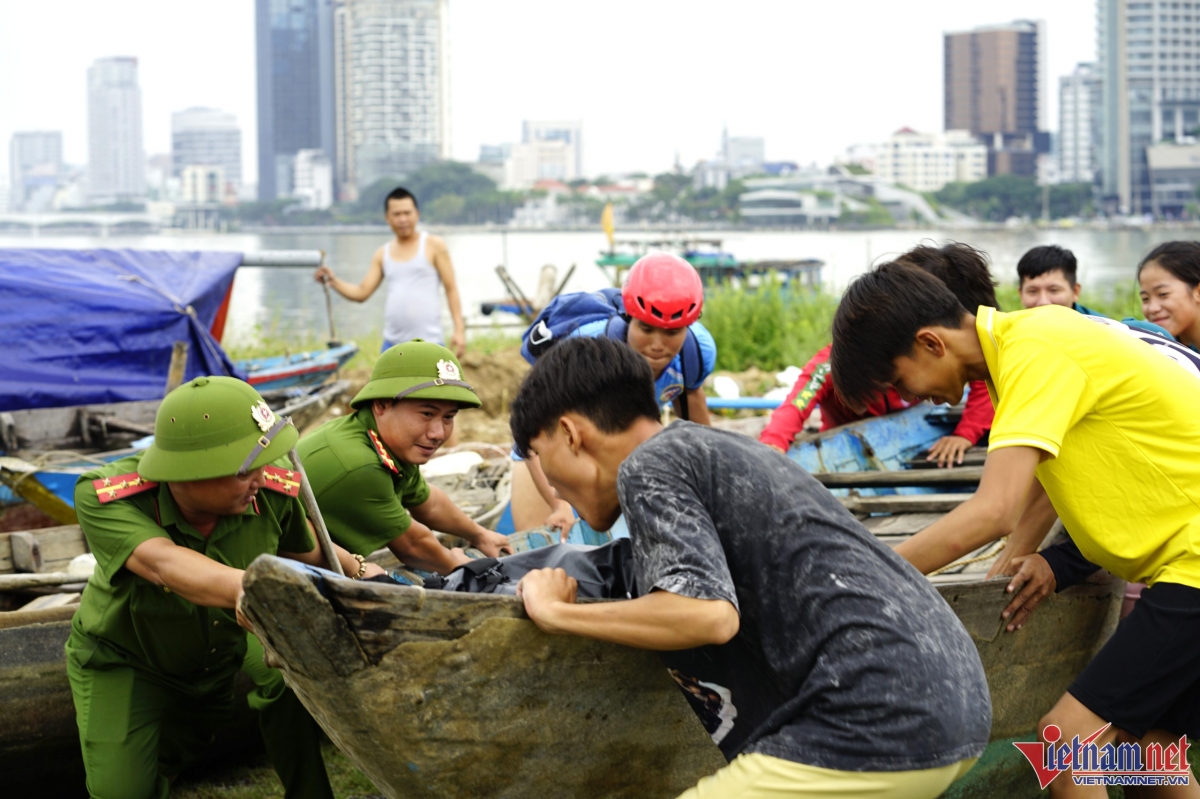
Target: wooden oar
(314,514)
(958,476)
(23,582)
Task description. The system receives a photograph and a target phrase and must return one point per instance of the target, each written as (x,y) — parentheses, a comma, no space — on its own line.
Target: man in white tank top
(415,265)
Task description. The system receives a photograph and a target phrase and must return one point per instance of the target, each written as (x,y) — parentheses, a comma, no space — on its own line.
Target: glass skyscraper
(295,88)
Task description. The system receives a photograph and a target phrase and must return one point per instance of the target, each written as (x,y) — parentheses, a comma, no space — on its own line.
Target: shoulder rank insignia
(285,481)
(383,453)
(121,486)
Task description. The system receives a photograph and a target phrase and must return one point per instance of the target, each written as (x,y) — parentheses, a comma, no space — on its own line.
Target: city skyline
(504,71)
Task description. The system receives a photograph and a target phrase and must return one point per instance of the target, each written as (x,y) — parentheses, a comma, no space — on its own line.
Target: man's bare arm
(1036,520)
(697,404)
(363,291)
(198,579)
(315,557)
(419,548)
(445,269)
(660,620)
(440,513)
(991,513)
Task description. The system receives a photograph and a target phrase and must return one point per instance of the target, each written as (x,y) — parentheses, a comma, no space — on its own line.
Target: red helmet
(663,290)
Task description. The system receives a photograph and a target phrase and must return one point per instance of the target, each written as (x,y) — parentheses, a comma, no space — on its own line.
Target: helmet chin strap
(263,442)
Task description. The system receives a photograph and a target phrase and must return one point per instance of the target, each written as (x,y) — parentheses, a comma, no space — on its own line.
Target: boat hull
(445,694)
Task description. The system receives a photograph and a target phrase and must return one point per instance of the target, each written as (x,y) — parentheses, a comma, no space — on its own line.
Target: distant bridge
(102,222)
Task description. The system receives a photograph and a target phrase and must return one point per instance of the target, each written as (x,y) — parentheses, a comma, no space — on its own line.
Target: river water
(287,304)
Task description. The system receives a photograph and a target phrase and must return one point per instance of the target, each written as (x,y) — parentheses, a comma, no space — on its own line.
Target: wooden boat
(39,739)
(477,476)
(445,694)
(48,447)
(296,370)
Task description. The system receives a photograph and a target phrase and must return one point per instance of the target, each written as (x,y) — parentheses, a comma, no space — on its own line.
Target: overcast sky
(649,78)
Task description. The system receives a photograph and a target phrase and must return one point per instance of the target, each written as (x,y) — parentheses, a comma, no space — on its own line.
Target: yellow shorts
(758,776)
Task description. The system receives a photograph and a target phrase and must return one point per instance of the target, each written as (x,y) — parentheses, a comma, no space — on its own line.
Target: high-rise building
(35,164)
(202,184)
(1078,112)
(392,90)
(928,161)
(116,163)
(995,88)
(207,137)
(295,87)
(1149,67)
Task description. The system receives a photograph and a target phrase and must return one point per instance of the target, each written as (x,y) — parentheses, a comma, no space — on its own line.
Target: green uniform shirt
(363,490)
(125,619)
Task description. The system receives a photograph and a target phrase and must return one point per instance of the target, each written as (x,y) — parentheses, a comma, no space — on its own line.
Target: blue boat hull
(301,369)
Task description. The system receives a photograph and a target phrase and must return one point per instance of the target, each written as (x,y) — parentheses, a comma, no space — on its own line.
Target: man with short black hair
(416,265)
(1047,275)
(1107,427)
(825,664)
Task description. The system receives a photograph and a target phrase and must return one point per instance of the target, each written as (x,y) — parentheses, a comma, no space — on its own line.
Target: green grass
(1118,303)
(770,327)
(255,779)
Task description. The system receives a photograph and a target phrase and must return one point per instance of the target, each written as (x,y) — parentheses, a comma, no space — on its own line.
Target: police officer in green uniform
(156,641)
(364,467)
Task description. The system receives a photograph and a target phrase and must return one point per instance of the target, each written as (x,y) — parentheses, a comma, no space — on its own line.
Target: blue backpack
(568,312)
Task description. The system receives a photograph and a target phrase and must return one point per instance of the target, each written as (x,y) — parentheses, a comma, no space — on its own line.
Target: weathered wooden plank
(59,545)
(20,582)
(975,456)
(26,552)
(901,523)
(51,601)
(960,476)
(905,503)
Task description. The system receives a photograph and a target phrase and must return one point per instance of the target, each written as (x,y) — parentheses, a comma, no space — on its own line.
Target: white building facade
(35,163)
(928,161)
(313,173)
(202,185)
(391,87)
(1149,68)
(116,162)
(207,137)
(1078,98)
(569,132)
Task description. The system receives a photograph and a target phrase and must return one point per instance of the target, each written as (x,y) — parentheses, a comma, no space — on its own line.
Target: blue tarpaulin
(94,326)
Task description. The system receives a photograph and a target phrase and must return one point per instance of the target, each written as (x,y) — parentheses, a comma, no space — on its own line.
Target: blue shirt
(670,384)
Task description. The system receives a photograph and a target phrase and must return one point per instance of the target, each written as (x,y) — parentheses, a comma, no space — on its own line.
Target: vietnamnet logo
(1110,764)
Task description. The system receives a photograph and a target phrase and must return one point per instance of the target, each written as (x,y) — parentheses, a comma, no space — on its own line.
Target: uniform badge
(285,481)
(264,416)
(448,370)
(120,486)
(382,452)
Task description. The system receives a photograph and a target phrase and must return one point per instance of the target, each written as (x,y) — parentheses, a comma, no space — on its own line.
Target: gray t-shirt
(847,658)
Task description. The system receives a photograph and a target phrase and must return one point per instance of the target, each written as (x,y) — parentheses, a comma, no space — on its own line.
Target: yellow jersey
(1122,422)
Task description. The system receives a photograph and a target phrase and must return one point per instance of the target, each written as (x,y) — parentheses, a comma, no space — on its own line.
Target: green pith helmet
(417,369)
(214,427)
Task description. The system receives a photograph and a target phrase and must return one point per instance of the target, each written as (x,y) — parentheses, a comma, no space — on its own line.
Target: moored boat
(46,449)
(443,694)
(296,370)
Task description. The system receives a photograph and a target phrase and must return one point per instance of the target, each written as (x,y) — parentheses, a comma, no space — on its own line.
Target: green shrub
(769,327)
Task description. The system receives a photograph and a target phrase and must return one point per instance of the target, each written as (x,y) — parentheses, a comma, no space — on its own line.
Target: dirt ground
(497,377)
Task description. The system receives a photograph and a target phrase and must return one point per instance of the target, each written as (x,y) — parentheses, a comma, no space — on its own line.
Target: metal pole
(314,515)
(333,337)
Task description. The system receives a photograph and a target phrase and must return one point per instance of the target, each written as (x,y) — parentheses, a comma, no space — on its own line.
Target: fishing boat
(296,370)
(477,477)
(46,449)
(436,693)
(39,738)
(715,265)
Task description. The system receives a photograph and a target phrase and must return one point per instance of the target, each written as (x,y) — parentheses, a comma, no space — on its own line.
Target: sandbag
(603,572)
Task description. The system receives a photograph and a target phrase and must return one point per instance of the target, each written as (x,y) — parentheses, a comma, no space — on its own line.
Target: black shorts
(1147,676)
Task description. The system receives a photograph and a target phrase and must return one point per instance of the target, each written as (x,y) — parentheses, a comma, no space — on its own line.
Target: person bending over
(1108,429)
(365,467)
(964,270)
(830,665)
(658,315)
